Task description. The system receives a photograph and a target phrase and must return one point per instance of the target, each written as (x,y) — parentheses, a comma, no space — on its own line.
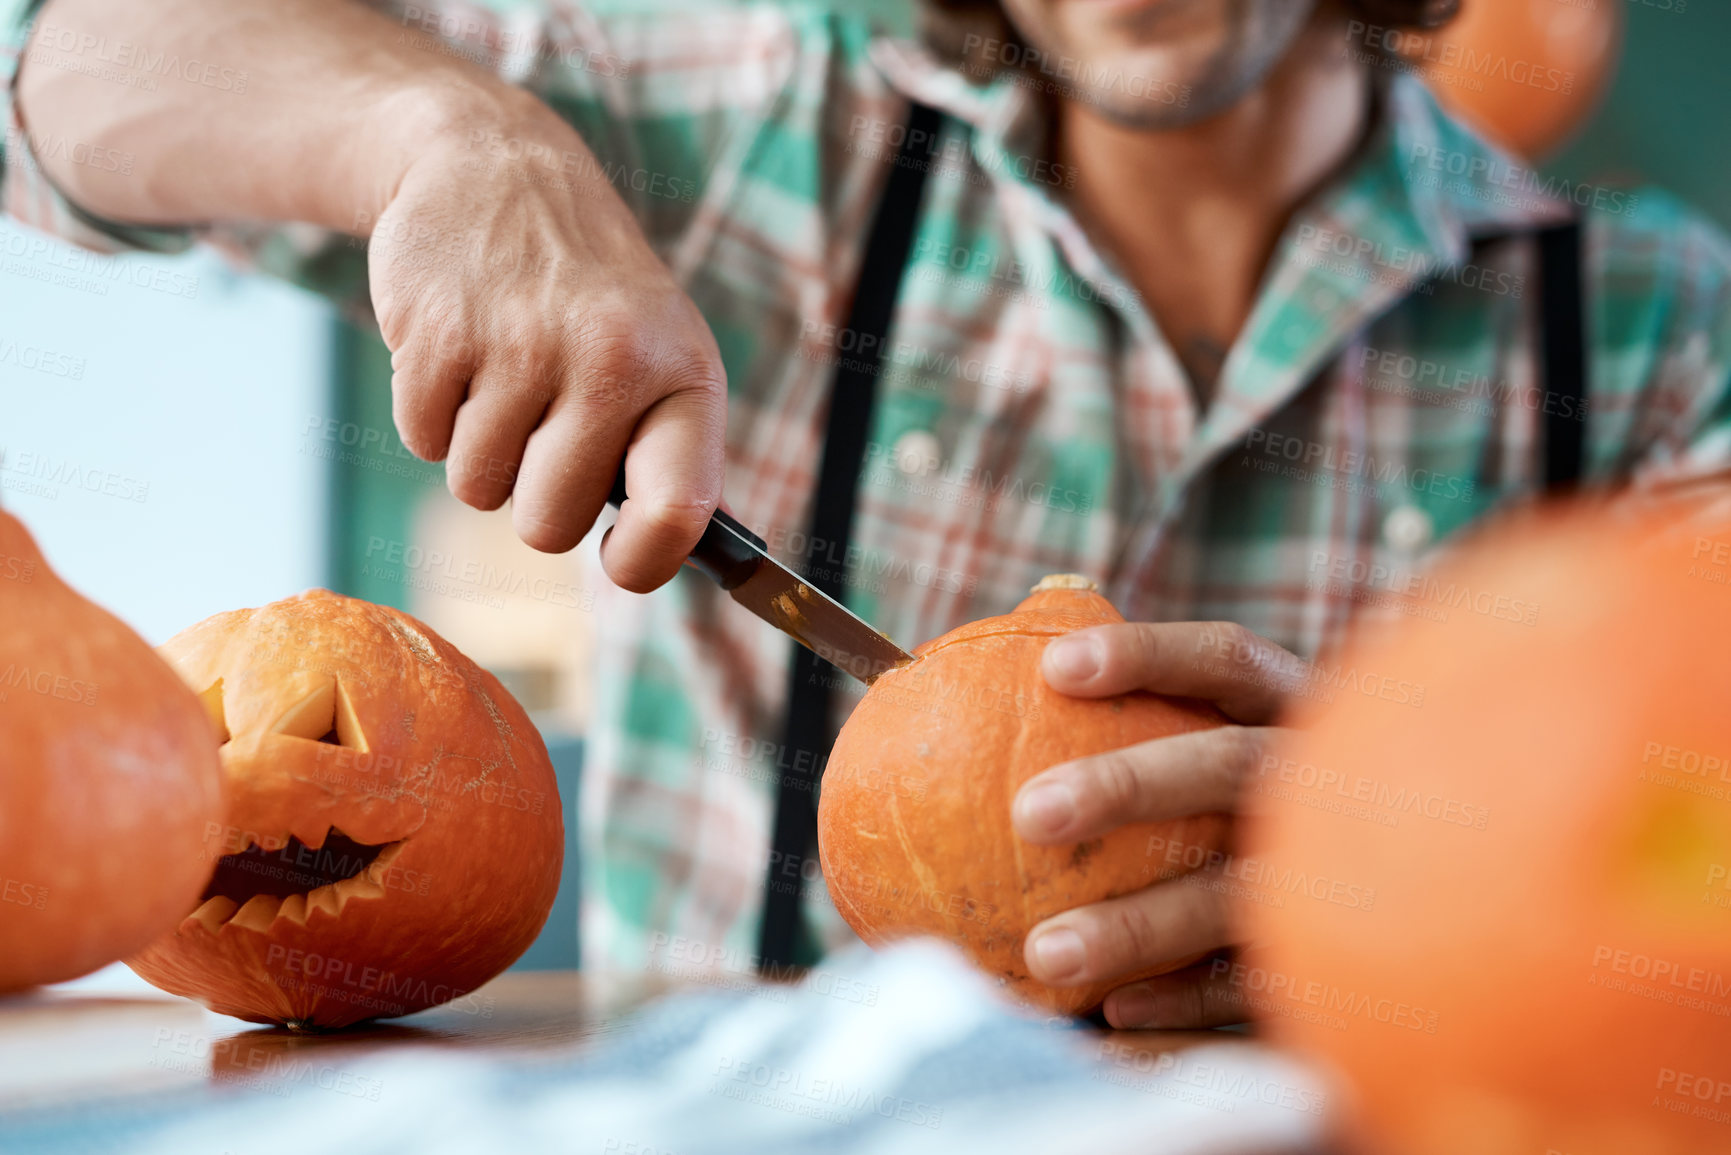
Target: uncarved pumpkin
(108,777)
(393,836)
(914,828)
(1548,963)
(1530,73)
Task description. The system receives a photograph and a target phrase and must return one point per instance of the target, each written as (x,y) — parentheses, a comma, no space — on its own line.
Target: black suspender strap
(1562,351)
(1563,355)
(808,735)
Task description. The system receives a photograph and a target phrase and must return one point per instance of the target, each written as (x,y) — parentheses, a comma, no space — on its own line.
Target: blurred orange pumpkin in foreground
(1527,72)
(108,777)
(914,826)
(1547,965)
(393,837)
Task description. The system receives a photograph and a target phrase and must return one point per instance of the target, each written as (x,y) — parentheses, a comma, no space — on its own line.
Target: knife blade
(738,561)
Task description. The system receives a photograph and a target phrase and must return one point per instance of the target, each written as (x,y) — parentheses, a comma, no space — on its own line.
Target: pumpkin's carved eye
(212,699)
(325,715)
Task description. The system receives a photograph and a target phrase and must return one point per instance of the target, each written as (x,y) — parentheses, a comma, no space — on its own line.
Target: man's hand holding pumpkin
(1247,678)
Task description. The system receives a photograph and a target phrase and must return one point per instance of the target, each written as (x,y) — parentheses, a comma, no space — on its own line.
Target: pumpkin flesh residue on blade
(790,619)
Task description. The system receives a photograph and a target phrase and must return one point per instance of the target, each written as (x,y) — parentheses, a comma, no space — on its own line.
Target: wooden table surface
(69,1049)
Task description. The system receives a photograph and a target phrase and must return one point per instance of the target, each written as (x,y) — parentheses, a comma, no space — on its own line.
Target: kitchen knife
(738,561)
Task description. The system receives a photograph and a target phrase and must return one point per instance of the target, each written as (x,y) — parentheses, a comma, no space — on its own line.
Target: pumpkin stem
(1065,581)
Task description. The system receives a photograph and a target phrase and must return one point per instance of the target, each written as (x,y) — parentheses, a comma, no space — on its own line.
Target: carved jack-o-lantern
(393,834)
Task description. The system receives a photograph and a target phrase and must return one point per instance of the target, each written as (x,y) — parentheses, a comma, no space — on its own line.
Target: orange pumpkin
(1529,73)
(393,836)
(108,776)
(1547,966)
(914,829)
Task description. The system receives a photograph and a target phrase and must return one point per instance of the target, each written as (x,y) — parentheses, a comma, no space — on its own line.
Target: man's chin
(1179,64)
(1148,90)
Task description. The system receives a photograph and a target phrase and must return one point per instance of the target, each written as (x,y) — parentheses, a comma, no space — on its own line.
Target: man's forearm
(335,103)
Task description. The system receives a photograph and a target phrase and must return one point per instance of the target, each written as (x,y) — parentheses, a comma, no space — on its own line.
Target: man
(1173,260)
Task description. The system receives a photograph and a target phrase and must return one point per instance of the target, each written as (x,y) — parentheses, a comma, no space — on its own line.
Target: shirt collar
(1433,176)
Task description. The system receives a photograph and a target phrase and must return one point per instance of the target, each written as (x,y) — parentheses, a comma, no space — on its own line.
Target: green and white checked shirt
(1032,418)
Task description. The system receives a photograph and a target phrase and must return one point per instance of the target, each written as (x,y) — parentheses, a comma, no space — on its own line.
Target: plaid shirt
(1032,418)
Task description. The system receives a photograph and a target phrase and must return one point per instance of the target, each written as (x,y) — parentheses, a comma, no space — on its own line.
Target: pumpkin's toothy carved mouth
(287,878)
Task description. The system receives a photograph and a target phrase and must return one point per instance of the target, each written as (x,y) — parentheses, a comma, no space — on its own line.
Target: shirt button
(1407,528)
(917,452)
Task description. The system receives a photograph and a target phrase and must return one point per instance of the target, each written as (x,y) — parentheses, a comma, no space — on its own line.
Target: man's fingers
(567,471)
(1194,998)
(673,474)
(1194,773)
(1171,920)
(427,385)
(1222,662)
(488,437)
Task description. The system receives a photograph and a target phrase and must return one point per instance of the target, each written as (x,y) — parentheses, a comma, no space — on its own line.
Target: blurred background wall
(199,440)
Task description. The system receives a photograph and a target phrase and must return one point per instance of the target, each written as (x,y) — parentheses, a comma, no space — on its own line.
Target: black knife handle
(727,553)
